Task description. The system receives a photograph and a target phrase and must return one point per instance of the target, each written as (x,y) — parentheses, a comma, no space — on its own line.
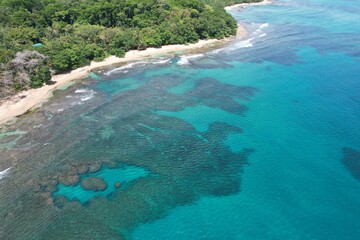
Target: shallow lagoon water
(122,175)
(258,140)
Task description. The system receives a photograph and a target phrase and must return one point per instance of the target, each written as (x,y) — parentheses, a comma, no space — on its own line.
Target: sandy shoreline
(265,2)
(30,99)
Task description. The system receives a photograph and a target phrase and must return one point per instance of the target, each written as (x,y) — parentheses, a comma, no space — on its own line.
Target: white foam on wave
(126,67)
(81,90)
(217,51)
(261,27)
(89,96)
(163,61)
(184,60)
(86,98)
(86,94)
(119,69)
(264,25)
(245,43)
(4,173)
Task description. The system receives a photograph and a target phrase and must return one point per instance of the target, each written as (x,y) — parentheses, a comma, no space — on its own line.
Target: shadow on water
(351,161)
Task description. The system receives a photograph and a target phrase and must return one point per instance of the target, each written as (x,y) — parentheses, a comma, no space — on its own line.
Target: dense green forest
(38,37)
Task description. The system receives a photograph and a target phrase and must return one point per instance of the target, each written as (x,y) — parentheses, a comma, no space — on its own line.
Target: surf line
(4,173)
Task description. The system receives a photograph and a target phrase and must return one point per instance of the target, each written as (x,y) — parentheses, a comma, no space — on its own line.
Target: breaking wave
(86,94)
(261,27)
(4,173)
(247,43)
(126,67)
(184,60)
(244,44)
(264,25)
(81,90)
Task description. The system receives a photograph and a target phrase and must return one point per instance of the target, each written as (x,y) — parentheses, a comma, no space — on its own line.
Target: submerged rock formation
(351,161)
(117,184)
(94,184)
(69,180)
(94,167)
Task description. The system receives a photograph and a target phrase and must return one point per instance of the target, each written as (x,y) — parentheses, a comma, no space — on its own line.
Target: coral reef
(94,184)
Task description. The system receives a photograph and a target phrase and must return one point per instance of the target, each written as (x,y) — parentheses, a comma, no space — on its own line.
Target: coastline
(235,6)
(30,99)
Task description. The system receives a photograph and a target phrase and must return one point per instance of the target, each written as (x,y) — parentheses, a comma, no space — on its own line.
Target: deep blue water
(307,109)
(257,140)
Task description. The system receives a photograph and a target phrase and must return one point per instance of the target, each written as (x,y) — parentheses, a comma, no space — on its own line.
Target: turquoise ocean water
(256,140)
(307,109)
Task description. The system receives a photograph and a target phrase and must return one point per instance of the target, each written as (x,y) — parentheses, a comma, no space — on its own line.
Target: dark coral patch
(351,161)
(94,184)
(219,95)
(185,164)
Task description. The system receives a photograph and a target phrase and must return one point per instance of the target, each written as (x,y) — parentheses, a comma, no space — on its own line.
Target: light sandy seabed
(30,99)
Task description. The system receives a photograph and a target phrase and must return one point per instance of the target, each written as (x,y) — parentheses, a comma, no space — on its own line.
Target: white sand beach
(30,99)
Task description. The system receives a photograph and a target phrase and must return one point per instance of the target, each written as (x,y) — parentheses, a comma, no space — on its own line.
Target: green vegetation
(75,32)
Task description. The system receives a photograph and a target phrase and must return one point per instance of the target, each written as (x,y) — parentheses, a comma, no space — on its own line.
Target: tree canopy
(75,32)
